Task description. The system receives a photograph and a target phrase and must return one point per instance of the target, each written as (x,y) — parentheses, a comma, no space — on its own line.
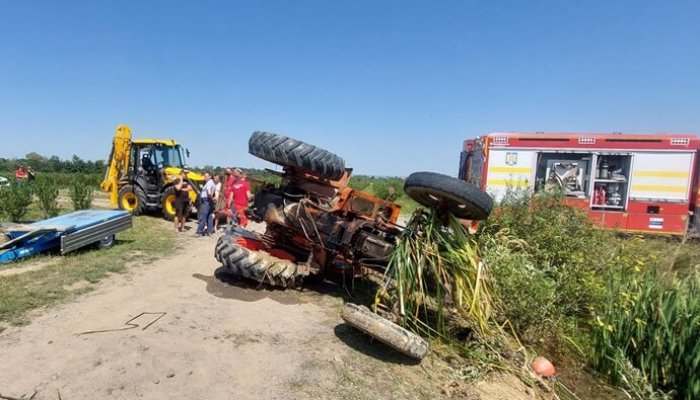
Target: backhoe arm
(118,162)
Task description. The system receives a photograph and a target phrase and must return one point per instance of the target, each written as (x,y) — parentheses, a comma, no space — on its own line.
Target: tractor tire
(258,265)
(294,153)
(385,331)
(460,198)
(168,203)
(133,199)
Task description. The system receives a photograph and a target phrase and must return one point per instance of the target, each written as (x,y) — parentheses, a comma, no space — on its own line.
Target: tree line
(41,163)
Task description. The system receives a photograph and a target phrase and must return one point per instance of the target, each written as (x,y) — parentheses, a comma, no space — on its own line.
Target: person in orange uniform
(241,193)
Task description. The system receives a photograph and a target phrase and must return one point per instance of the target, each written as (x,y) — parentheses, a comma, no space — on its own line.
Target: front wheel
(132,199)
(385,331)
(168,203)
(461,199)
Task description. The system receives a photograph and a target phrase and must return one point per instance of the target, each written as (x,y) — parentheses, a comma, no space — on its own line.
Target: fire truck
(644,183)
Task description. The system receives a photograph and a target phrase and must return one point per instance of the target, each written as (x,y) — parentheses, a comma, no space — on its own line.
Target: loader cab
(149,158)
(153,164)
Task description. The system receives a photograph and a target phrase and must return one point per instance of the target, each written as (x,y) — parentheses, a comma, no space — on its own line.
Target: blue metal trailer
(68,232)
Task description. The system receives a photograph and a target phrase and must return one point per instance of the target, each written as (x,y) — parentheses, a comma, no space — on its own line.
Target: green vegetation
(59,281)
(80,192)
(539,277)
(46,191)
(40,198)
(653,326)
(629,305)
(390,188)
(14,201)
(436,271)
(53,164)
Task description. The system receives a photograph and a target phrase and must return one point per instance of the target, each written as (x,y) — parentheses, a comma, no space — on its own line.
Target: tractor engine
(328,225)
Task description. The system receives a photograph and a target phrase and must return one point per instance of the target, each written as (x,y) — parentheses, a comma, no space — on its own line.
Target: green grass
(23,292)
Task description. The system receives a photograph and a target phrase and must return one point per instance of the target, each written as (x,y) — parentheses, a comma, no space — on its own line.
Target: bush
(46,190)
(526,295)
(80,192)
(14,201)
(546,258)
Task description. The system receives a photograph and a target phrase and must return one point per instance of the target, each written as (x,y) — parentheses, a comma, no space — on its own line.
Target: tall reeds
(655,328)
(435,276)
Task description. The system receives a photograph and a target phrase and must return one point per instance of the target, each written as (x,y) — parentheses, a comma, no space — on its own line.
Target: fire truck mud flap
(385,331)
(460,198)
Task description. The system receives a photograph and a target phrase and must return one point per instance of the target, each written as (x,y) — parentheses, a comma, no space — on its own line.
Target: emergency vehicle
(630,182)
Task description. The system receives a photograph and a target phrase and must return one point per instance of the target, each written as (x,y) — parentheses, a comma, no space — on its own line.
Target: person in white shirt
(205,212)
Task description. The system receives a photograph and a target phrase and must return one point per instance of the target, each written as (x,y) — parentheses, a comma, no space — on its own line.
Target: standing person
(228,194)
(182,200)
(241,192)
(30,174)
(205,215)
(219,201)
(19,174)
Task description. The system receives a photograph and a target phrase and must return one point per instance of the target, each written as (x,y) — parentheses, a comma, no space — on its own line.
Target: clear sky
(391,86)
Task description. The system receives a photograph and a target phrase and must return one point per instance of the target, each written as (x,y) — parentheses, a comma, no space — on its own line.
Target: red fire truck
(631,182)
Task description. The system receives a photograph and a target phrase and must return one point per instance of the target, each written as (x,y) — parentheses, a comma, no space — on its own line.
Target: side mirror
(187,151)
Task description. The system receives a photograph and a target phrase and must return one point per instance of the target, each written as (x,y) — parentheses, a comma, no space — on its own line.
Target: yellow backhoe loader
(141,173)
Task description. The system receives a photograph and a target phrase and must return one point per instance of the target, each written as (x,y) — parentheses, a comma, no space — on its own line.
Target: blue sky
(391,86)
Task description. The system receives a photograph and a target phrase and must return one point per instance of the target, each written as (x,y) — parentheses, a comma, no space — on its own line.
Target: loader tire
(132,198)
(168,203)
(462,199)
(258,265)
(385,331)
(290,152)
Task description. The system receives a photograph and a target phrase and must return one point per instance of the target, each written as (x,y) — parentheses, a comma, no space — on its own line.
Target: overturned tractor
(316,223)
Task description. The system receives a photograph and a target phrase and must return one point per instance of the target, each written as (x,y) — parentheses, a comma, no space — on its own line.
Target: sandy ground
(209,340)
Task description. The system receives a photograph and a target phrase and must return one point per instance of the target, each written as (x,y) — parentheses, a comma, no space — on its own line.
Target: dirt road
(211,340)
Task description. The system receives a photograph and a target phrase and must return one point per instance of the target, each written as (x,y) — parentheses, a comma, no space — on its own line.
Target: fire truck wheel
(258,265)
(290,152)
(384,330)
(462,199)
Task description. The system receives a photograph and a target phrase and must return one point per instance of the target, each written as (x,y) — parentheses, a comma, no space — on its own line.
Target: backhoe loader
(141,172)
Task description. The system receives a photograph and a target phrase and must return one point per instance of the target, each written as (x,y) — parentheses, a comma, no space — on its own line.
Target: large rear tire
(258,265)
(131,198)
(384,330)
(460,198)
(290,152)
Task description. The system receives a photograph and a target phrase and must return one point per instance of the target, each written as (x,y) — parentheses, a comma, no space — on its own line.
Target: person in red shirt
(229,180)
(241,192)
(19,174)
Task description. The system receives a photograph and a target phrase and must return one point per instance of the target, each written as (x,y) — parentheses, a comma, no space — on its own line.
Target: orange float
(543,367)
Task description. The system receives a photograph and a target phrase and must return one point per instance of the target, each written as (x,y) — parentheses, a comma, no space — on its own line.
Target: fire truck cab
(630,182)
